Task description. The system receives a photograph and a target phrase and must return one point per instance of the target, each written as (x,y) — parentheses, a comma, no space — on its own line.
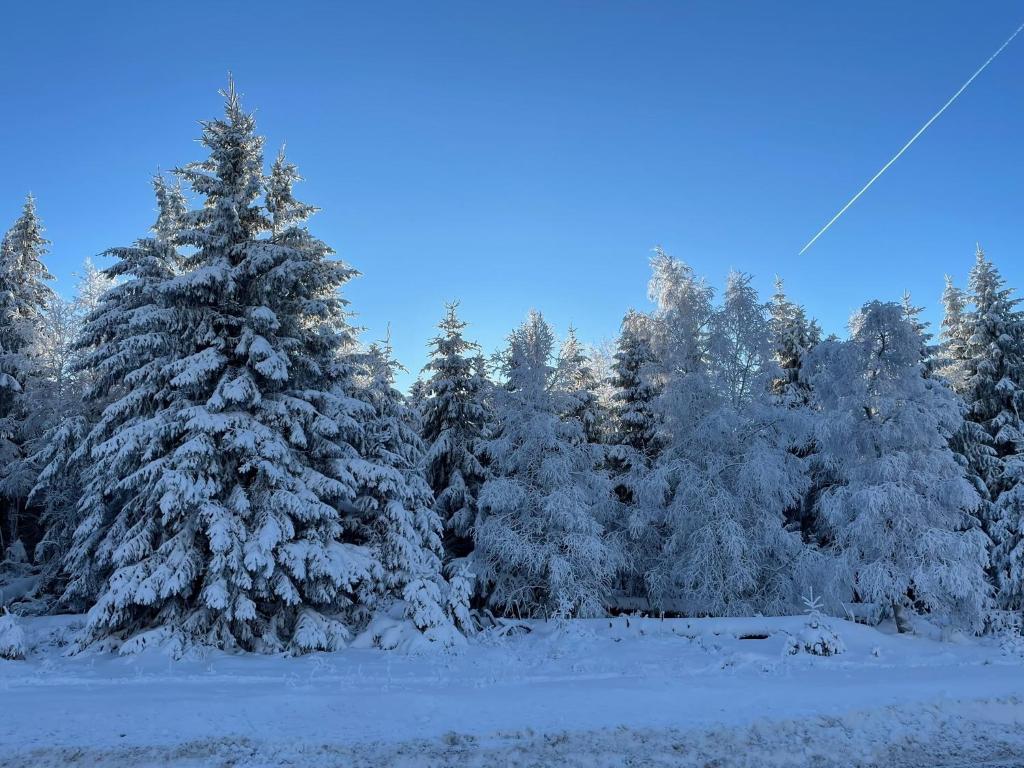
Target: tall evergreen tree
(454,417)
(635,392)
(929,351)
(24,298)
(635,441)
(417,396)
(121,335)
(402,527)
(540,549)
(574,379)
(994,391)
(972,443)
(954,337)
(793,337)
(230,455)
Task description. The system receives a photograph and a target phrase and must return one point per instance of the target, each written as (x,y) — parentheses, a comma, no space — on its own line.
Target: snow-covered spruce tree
(972,443)
(540,549)
(793,337)
(994,392)
(635,441)
(912,314)
(1008,552)
(718,493)
(24,298)
(123,343)
(417,396)
(396,502)
(228,458)
(898,511)
(954,337)
(574,379)
(633,444)
(454,417)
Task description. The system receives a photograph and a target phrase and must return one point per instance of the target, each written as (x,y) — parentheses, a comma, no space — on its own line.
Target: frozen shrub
(817,638)
(12,638)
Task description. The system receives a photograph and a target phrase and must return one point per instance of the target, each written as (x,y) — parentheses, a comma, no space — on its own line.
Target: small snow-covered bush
(817,637)
(1008,628)
(392,629)
(12,638)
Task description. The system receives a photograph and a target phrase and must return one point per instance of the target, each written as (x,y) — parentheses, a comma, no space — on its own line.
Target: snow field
(588,693)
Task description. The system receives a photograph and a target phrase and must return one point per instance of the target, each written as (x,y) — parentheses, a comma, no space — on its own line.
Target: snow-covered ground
(719,692)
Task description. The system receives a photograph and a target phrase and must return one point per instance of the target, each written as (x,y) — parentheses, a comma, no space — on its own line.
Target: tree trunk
(902,623)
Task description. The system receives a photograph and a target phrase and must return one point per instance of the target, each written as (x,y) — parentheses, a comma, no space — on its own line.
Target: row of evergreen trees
(199,448)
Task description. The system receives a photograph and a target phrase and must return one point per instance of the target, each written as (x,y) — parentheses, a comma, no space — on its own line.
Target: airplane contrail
(913,139)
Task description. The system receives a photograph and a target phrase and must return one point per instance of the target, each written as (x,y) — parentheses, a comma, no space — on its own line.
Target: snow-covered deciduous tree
(54,350)
(58,484)
(679,331)
(897,512)
(24,298)
(540,548)
(602,364)
(715,500)
(454,417)
(94,282)
(227,467)
(401,526)
(740,341)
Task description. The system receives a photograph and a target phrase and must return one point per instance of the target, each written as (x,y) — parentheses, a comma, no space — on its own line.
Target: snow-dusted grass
(586,693)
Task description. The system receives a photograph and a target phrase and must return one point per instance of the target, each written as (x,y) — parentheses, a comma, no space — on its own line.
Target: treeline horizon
(197,448)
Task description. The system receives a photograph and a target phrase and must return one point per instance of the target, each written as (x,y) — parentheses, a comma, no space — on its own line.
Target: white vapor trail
(913,139)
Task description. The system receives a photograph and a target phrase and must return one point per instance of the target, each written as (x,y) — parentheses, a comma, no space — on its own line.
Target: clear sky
(530,154)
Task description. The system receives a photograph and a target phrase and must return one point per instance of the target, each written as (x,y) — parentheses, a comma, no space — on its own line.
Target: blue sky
(530,154)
